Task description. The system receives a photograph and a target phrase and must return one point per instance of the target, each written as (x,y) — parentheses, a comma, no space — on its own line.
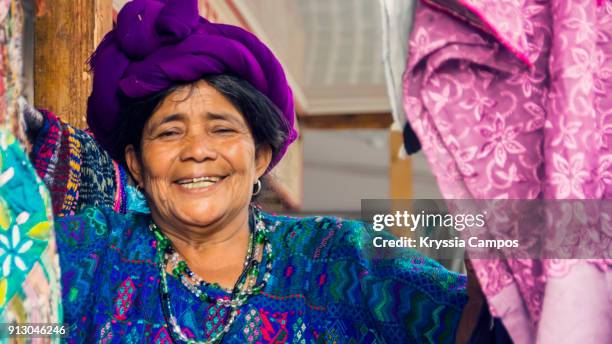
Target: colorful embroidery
(75,169)
(74,163)
(29,269)
(362,298)
(124,299)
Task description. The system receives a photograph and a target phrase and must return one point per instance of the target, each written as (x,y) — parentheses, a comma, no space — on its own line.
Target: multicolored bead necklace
(245,287)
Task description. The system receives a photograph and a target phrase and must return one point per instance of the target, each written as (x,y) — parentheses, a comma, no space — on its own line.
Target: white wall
(341,167)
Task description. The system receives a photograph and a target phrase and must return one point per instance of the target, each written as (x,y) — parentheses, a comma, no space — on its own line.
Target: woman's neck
(216,253)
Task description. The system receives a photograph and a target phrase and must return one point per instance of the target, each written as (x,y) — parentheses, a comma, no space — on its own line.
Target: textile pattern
(76,170)
(29,265)
(323,287)
(510,99)
(11,66)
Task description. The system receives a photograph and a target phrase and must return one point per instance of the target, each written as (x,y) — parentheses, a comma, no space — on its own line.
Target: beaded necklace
(245,287)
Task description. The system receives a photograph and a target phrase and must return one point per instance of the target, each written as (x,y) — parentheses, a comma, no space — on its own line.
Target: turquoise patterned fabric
(29,267)
(324,288)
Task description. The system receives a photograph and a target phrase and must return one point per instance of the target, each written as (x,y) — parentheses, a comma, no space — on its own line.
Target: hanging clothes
(29,283)
(511,100)
(396,19)
(11,66)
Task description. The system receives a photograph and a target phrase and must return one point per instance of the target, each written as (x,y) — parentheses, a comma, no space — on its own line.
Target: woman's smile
(205,183)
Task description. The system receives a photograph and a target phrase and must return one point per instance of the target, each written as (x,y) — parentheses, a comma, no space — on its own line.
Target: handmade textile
(11,66)
(159,44)
(74,168)
(322,287)
(396,25)
(511,100)
(396,19)
(29,265)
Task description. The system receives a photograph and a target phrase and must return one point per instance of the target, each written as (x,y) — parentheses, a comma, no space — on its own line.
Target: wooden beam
(347,121)
(66,34)
(400,170)
(400,180)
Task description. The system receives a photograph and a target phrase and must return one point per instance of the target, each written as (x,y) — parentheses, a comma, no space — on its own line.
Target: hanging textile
(11,66)
(29,264)
(396,19)
(397,16)
(511,100)
(29,279)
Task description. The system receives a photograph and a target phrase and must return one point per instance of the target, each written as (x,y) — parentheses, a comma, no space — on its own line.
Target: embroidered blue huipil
(328,285)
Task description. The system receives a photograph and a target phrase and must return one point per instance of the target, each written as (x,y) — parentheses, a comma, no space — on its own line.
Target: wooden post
(66,34)
(400,179)
(400,170)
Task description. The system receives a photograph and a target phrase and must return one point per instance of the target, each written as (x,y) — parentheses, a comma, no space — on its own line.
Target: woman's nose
(198,148)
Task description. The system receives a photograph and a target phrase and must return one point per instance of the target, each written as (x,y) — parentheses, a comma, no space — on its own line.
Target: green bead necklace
(245,287)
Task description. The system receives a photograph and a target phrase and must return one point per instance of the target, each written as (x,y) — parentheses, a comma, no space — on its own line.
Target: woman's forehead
(198,99)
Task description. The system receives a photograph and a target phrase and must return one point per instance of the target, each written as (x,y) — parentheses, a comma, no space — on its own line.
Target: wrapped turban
(157,44)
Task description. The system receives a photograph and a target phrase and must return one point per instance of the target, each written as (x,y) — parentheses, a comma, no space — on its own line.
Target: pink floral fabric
(510,99)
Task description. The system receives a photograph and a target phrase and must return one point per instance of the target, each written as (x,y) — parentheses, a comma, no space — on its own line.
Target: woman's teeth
(201,182)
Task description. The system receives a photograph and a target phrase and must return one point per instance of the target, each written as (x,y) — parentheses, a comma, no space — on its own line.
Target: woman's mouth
(198,183)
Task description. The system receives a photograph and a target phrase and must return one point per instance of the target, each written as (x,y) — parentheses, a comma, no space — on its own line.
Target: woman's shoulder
(311,222)
(336,239)
(97,226)
(317,236)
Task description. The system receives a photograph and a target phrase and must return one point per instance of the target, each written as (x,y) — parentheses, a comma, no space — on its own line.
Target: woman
(199,112)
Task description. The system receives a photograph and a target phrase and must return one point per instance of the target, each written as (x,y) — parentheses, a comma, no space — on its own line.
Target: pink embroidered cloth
(511,100)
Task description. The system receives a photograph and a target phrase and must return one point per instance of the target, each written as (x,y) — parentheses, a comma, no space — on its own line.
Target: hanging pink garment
(512,99)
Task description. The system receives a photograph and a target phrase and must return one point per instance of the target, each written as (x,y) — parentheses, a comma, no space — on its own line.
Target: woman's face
(198,160)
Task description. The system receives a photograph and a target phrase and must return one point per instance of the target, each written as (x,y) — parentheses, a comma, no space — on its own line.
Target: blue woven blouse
(328,286)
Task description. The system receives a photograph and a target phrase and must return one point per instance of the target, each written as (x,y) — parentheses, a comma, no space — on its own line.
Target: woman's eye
(223,130)
(168,133)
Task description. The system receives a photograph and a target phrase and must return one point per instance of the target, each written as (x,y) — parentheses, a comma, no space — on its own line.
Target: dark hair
(267,123)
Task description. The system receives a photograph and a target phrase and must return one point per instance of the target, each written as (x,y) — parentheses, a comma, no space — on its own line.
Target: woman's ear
(263,156)
(133,164)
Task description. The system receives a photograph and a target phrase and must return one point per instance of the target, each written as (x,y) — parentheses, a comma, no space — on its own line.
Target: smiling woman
(199,112)
(197,160)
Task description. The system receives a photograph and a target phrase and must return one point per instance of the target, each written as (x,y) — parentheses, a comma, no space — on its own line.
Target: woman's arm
(410,298)
(77,171)
(433,304)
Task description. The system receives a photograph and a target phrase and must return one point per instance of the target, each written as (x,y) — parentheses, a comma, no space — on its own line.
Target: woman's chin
(202,211)
(200,216)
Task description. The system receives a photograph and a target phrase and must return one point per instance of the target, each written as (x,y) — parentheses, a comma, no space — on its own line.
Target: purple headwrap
(157,44)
